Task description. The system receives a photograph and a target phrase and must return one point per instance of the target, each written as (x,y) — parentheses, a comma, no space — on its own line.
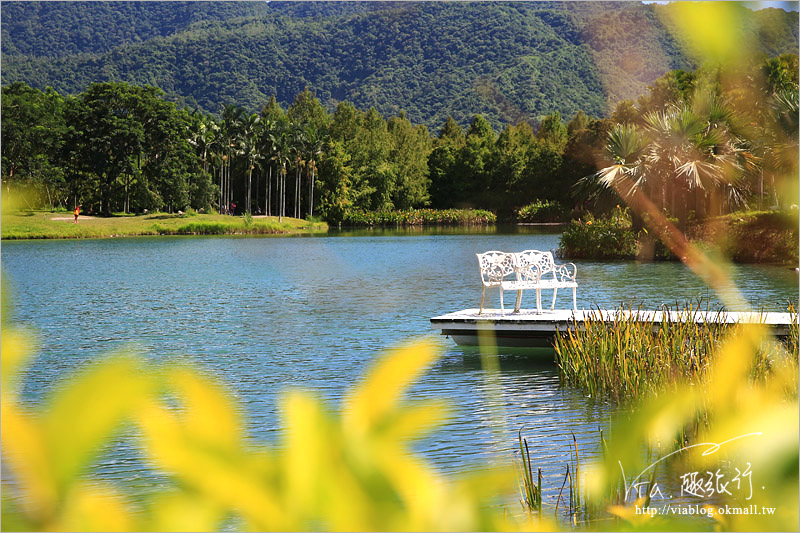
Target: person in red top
(77,212)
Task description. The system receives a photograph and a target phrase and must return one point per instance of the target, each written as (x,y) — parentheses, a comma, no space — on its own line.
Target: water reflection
(495,229)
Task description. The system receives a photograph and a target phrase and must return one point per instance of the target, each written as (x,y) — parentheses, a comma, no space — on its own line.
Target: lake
(265,314)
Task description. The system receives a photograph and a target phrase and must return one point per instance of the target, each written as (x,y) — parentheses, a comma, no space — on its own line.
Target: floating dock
(528,328)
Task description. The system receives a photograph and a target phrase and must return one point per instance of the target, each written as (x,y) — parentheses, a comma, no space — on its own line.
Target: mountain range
(507,61)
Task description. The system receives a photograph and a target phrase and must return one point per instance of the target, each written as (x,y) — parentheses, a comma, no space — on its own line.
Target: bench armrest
(566,271)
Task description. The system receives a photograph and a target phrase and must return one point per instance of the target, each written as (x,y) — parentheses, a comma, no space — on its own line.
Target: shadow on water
(510,360)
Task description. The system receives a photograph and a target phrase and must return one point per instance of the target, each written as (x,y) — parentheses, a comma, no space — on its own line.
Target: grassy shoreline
(23,225)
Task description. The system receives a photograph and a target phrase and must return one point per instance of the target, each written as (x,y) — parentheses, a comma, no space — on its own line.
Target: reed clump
(419,217)
(634,357)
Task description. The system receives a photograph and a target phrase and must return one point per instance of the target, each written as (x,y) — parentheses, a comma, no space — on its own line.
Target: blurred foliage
(752,236)
(354,471)
(731,422)
(348,471)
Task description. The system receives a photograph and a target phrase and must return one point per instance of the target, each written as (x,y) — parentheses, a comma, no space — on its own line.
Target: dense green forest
(696,143)
(508,62)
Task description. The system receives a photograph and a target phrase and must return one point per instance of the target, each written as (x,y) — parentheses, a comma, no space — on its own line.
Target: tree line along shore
(743,237)
(697,144)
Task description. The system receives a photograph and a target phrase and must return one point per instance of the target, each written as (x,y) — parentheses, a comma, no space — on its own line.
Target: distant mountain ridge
(508,61)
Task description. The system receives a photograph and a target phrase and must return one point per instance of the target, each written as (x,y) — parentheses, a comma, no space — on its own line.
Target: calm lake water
(265,314)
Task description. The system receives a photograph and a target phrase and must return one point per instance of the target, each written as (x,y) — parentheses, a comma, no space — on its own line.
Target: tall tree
(203,137)
(311,119)
(315,139)
(298,151)
(281,141)
(274,119)
(409,153)
(447,186)
(373,176)
(511,184)
(336,195)
(553,132)
(230,131)
(475,160)
(307,110)
(32,136)
(108,132)
(249,130)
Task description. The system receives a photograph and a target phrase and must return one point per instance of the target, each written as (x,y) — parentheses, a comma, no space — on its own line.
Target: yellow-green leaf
(89,410)
(386,382)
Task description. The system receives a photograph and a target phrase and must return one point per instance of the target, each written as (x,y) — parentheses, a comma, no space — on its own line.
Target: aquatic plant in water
(633,357)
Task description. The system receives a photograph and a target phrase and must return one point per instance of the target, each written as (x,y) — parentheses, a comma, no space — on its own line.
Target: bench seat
(529,269)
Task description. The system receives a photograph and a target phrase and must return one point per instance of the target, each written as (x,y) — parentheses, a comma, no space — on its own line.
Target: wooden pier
(527,328)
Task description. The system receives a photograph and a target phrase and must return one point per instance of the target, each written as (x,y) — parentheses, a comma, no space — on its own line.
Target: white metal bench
(538,270)
(499,269)
(530,269)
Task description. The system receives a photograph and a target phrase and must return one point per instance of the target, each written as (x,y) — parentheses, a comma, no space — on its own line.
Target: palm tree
(315,140)
(782,134)
(298,151)
(280,139)
(231,118)
(266,144)
(626,147)
(681,150)
(216,152)
(248,147)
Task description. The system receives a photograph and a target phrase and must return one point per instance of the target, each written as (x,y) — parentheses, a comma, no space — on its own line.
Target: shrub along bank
(753,237)
(604,238)
(419,217)
(745,237)
(542,211)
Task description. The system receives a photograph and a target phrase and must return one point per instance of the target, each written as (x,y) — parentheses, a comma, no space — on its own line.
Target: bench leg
(574,298)
(518,303)
(553,306)
(483,295)
(502,309)
(538,301)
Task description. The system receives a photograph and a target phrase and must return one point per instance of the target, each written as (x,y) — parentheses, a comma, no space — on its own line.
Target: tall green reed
(633,356)
(530,490)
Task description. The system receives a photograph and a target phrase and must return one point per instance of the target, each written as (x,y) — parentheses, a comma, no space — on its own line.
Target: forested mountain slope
(59,29)
(507,61)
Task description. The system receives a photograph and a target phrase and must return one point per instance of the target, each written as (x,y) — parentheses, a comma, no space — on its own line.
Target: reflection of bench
(530,269)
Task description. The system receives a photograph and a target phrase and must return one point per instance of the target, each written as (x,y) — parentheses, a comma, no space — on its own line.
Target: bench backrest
(496,267)
(534,263)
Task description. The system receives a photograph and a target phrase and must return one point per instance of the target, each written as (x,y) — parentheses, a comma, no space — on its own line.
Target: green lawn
(59,225)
